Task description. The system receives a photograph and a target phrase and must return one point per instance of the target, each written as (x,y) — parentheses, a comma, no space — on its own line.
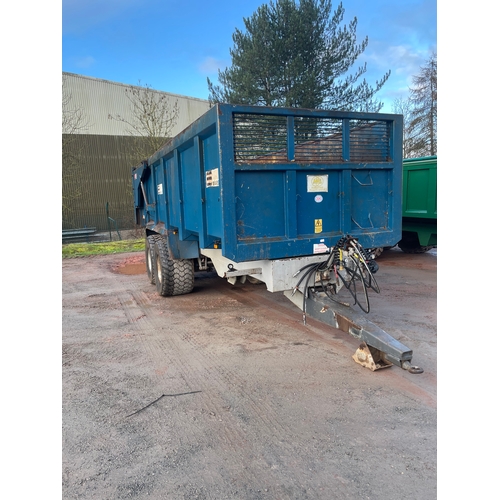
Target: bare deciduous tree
(74,123)
(419,112)
(423,99)
(153,116)
(402,106)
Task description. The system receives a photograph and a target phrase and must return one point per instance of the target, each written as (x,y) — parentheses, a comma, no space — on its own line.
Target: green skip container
(419,225)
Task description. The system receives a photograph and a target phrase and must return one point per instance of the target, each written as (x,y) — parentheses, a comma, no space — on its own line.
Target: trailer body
(289,197)
(419,223)
(257,184)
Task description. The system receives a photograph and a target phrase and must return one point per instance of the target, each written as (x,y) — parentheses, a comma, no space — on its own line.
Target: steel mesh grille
(318,140)
(263,139)
(369,140)
(259,138)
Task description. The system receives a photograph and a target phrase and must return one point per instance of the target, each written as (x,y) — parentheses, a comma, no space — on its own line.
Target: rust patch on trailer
(343,323)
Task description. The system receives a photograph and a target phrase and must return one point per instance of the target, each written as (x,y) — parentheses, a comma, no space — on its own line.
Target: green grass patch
(105,248)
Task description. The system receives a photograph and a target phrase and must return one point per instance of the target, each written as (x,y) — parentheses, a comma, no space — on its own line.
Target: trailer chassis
(345,264)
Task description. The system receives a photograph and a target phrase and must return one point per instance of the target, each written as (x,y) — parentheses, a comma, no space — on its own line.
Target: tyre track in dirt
(246,435)
(160,342)
(198,367)
(334,340)
(322,340)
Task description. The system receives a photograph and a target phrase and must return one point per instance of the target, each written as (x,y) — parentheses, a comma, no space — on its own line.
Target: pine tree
(297,54)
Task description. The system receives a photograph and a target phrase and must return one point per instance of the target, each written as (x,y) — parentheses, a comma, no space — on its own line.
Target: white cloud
(403,60)
(84,62)
(210,65)
(407,59)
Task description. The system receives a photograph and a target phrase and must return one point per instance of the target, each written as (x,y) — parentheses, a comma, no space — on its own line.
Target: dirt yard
(225,394)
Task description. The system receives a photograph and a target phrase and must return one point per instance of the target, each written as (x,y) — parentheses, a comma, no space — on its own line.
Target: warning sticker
(317,183)
(318,225)
(159,188)
(212,178)
(320,248)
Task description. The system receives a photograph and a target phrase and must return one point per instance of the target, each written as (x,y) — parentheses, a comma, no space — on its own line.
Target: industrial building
(97,155)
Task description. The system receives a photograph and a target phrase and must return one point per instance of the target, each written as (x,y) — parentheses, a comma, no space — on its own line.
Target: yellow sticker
(318,225)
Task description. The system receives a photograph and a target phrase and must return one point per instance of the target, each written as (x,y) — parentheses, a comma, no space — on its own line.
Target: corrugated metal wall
(101,171)
(101,175)
(101,98)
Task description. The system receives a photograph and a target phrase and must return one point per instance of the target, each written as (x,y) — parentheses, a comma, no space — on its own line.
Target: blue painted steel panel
(260,206)
(319,209)
(190,170)
(159,190)
(213,205)
(271,183)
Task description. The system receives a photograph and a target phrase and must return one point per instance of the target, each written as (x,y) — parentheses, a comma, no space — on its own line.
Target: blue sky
(174,46)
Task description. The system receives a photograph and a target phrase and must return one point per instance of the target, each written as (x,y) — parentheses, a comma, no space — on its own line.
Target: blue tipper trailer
(290,197)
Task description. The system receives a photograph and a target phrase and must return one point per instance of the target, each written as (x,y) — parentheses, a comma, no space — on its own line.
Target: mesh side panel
(369,141)
(318,140)
(263,139)
(259,138)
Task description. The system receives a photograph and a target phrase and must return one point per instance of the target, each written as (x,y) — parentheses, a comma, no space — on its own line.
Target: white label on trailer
(320,248)
(212,178)
(317,183)
(318,198)
(160,188)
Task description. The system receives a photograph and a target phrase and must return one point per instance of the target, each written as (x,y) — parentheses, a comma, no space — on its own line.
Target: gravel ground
(225,394)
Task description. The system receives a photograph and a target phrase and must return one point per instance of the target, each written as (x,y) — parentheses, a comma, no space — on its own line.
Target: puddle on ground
(131,268)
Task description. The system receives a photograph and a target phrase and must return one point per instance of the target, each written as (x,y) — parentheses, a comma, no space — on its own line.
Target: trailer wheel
(172,276)
(150,243)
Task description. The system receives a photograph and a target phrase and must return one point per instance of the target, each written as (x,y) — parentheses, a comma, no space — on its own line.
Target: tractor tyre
(149,250)
(172,276)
